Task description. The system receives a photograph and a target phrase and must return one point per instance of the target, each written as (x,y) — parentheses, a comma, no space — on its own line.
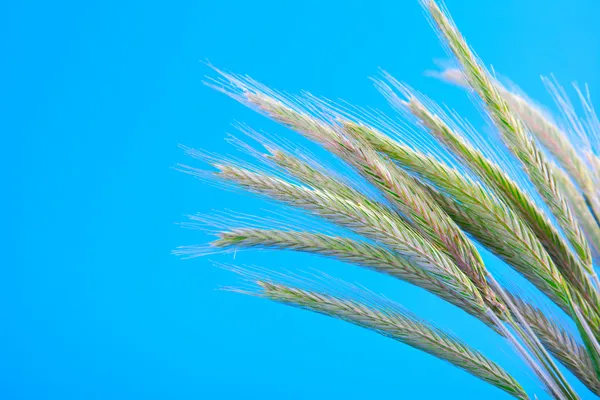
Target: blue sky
(96,96)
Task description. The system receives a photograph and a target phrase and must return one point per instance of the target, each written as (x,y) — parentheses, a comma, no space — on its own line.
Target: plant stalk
(521,326)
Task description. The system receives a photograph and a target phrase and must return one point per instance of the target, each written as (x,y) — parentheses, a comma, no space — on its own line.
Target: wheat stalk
(561,344)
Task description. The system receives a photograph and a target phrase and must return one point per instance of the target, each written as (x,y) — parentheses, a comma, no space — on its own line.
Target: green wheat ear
(512,130)
(375,257)
(389,320)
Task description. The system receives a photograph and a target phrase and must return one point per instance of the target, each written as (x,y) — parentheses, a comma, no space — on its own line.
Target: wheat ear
(314,129)
(385,261)
(512,130)
(550,136)
(357,252)
(562,345)
(594,162)
(557,141)
(391,321)
(545,130)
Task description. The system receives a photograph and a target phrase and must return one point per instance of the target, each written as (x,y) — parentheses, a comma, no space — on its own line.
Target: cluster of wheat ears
(416,214)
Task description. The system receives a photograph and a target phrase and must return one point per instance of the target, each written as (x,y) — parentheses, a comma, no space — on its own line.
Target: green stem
(533,343)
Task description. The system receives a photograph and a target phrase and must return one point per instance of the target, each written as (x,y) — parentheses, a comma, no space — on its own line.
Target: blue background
(96,96)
